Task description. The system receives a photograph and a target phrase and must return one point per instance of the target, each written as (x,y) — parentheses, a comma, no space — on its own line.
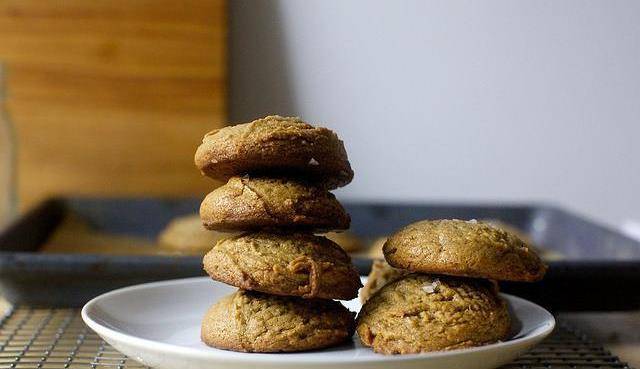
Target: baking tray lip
(35,256)
(536,205)
(13,270)
(19,260)
(514,204)
(9,257)
(171,259)
(11,261)
(510,204)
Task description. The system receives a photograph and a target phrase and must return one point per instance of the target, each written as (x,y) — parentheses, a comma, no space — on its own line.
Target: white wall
(457,100)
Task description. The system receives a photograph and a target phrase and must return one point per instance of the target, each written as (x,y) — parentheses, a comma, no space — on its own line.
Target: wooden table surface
(112,97)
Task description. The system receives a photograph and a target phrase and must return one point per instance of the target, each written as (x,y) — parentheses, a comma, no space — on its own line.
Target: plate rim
(242,357)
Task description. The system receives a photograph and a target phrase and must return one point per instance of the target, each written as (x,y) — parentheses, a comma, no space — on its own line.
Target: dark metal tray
(595,258)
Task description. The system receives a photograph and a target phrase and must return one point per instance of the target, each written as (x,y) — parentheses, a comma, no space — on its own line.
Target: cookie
(422,313)
(544,253)
(347,240)
(186,236)
(246,203)
(254,322)
(495,223)
(275,145)
(381,274)
(463,248)
(295,264)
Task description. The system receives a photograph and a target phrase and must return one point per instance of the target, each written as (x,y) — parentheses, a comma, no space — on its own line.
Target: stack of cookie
(438,290)
(278,173)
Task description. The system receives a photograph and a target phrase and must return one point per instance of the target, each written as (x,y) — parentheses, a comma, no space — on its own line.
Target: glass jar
(8,198)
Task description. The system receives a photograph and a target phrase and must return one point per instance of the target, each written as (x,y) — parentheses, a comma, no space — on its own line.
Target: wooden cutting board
(111,97)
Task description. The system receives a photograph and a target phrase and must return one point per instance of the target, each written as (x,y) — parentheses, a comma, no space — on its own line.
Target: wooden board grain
(112,97)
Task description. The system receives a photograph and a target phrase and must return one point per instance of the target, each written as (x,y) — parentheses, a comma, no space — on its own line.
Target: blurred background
(457,100)
(436,101)
(111,97)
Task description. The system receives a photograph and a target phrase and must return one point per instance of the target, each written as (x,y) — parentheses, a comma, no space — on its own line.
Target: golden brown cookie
(295,264)
(381,274)
(463,248)
(347,240)
(544,253)
(186,236)
(255,322)
(422,313)
(511,229)
(278,146)
(246,203)
(75,235)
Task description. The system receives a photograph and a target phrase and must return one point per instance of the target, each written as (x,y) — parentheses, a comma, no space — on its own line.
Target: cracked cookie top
(288,264)
(463,248)
(246,203)
(283,146)
(422,313)
(256,322)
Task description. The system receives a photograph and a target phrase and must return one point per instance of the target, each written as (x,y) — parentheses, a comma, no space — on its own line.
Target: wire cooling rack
(57,339)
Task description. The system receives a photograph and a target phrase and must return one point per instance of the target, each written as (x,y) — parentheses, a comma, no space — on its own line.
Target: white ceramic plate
(158,324)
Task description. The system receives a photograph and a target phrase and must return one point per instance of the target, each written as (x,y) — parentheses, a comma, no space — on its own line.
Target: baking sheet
(588,258)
